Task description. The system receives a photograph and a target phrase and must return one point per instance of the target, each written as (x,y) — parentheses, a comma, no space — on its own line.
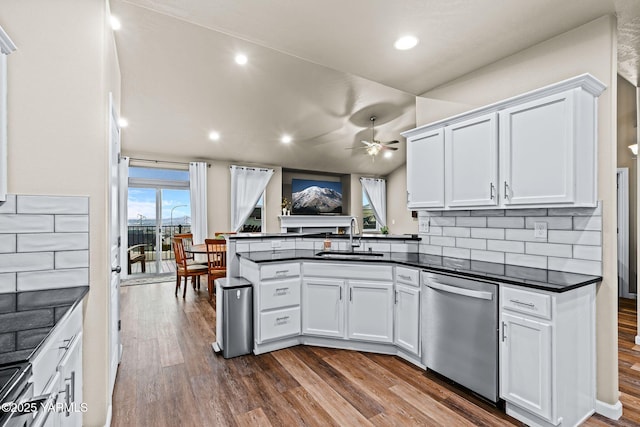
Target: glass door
(158,207)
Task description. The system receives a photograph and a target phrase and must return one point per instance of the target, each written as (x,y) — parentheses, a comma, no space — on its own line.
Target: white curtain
(376,190)
(123,194)
(198,193)
(247,185)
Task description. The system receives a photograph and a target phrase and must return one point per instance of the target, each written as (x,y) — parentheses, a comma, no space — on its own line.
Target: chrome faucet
(352,226)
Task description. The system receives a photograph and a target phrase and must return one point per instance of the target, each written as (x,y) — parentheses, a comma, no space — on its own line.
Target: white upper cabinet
(425,166)
(471,162)
(537,144)
(534,150)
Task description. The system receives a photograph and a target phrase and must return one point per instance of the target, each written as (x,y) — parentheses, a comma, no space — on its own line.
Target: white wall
(58,84)
(590,48)
(398,216)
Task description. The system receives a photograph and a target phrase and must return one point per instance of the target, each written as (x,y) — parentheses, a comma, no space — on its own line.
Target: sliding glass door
(158,207)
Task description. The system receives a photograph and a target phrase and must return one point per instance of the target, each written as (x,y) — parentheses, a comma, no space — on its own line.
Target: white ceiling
(317,70)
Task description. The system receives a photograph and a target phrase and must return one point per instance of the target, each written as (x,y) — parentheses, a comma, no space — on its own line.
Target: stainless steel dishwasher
(461,331)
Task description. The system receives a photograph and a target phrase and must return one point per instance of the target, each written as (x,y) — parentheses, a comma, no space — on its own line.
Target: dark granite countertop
(28,318)
(547,280)
(332,236)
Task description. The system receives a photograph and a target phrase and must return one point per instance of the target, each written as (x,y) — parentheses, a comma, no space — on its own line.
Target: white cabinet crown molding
(585,81)
(6,44)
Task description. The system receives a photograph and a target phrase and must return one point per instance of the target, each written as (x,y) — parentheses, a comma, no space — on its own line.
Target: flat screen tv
(310,197)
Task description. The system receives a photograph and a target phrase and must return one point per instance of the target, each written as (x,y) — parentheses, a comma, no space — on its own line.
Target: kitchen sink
(348,254)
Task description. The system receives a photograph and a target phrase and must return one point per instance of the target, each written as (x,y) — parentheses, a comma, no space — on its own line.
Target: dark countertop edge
(484,276)
(410,237)
(34,353)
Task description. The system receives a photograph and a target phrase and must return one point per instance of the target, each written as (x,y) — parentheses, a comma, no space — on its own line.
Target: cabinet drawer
(280,293)
(527,302)
(276,271)
(408,276)
(279,323)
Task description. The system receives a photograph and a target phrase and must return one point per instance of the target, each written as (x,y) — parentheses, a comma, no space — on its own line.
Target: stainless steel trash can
(237,316)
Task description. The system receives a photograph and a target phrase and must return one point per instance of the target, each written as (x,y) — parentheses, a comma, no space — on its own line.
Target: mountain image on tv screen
(311,197)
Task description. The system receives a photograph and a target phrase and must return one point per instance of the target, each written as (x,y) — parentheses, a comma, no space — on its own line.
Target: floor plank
(169,376)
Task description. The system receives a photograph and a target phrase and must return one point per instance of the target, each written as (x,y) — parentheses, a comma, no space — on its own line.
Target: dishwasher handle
(460,291)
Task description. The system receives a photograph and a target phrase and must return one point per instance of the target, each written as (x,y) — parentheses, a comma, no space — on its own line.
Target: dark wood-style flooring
(169,376)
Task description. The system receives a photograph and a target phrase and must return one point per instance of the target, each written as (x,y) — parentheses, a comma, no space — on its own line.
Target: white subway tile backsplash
(587,223)
(304,245)
(456,231)
(487,256)
(506,236)
(506,222)
(575,237)
(488,212)
(575,266)
(505,246)
(487,233)
(7,243)
(71,224)
(7,282)
(73,205)
(429,213)
(471,243)
(33,280)
(381,247)
(9,205)
(526,212)
(44,242)
(434,231)
(52,242)
(534,261)
(242,247)
(593,253)
(26,223)
(524,235)
(431,250)
(442,241)
(26,262)
(553,222)
(549,249)
(456,253)
(71,259)
(471,221)
(443,221)
(456,213)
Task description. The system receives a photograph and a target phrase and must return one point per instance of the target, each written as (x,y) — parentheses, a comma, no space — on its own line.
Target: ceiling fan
(374,146)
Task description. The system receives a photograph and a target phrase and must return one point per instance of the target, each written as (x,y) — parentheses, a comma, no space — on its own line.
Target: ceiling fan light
(406,43)
(634,149)
(388,154)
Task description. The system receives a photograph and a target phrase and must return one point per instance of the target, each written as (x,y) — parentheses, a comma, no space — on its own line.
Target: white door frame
(622,178)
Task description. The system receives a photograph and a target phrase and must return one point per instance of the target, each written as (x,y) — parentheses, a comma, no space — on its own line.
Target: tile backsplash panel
(44,242)
(573,242)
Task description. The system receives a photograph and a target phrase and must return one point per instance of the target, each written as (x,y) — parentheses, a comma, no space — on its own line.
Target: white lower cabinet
(370,311)
(323,307)
(407,318)
(71,385)
(526,364)
(547,355)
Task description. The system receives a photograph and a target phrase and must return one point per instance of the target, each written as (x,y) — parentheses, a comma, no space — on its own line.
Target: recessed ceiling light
(122,122)
(115,23)
(214,136)
(388,154)
(241,59)
(405,43)
(285,139)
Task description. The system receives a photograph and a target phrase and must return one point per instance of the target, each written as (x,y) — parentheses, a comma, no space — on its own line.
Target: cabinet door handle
(396,301)
(340,293)
(350,294)
(526,304)
(491,189)
(506,190)
(402,276)
(504,331)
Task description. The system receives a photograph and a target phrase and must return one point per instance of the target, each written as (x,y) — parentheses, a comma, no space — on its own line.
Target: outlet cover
(423,224)
(540,230)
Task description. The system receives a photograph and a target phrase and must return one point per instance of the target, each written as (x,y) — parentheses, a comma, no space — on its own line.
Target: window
(254,224)
(368,217)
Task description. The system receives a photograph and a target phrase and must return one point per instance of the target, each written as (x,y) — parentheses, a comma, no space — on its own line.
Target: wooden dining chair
(216,262)
(184,269)
(187,241)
